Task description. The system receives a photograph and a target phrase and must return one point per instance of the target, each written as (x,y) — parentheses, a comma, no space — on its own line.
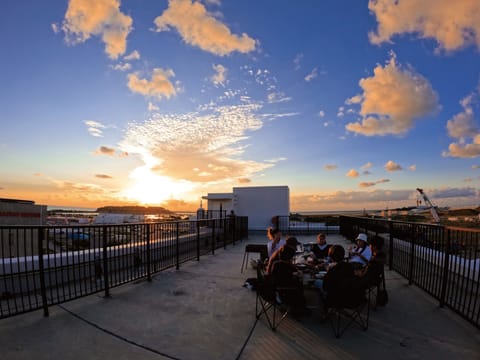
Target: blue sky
(352,104)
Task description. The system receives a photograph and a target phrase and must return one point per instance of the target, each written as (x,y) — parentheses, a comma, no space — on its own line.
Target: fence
(443,261)
(48,265)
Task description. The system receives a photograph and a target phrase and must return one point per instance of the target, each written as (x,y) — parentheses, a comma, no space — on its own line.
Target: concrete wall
(22,213)
(260,204)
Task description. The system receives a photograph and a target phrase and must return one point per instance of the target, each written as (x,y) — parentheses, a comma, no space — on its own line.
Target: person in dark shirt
(320,249)
(286,279)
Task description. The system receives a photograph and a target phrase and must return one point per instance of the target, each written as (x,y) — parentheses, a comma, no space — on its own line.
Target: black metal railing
(290,226)
(46,265)
(443,261)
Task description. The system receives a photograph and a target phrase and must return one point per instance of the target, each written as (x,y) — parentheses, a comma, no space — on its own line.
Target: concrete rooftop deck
(203,312)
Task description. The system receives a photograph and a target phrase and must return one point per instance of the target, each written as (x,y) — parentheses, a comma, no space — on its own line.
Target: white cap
(362,237)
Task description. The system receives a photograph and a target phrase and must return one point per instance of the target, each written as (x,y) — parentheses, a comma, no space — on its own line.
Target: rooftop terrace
(201,311)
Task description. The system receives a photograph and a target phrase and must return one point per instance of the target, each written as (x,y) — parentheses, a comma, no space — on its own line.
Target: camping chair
(269,301)
(375,277)
(254,248)
(342,316)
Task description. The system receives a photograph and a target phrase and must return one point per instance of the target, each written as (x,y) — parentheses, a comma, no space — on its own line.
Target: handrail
(41,266)
(443,261)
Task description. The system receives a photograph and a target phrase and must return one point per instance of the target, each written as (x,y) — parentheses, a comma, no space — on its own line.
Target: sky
(351,103)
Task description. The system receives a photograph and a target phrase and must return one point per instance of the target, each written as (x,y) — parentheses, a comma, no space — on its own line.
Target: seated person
(285,275)
(360,255)
(371,274)
(276,241)
(291,242)
(320,249)
(339,283)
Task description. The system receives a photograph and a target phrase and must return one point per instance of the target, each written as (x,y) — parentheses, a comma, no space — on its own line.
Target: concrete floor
(203,312)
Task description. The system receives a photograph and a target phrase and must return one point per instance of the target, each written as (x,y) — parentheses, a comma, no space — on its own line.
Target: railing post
(177,247)
(149,273)
(390,245)
(105,263)
(446,264)
(198,240)
(43,288)
(213,236)
(224,221)
(411,265)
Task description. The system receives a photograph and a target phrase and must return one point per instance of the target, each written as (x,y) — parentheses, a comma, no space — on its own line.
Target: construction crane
(427,201)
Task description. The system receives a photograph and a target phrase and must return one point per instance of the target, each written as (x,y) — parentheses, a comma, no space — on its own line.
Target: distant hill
(463,212)
(137,210)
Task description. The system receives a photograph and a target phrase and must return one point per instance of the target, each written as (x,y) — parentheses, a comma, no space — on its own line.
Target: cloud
(366,172)
(453,192)
(200,28)
(321,113)
(86,18)
(200,147)
(152,107)
(368,165)
(312,75)
(94,128)
(475,166)
(392,166)
(134,55)
(121,66)
(352,173)
(382,181)
(412,167)
(105,150)
(277,97)
(276,160)
(244,181)
(463,127)
(159,86)
(453,24)
(220,75)
(357,99)
(469,179)
(373,183)
(393,98)
(103,176)
(297,61)
(330,167)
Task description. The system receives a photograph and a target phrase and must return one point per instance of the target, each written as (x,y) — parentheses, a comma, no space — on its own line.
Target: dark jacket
(319,253)
(340,285)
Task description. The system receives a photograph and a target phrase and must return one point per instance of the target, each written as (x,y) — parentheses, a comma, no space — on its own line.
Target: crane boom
(430,205)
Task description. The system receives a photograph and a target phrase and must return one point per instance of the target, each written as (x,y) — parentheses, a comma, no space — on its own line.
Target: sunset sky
(351,103)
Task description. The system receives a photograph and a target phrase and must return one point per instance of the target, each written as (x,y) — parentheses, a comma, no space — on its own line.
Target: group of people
(347,274)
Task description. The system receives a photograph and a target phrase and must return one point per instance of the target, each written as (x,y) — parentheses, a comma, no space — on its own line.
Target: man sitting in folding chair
(343,296)
(281,290)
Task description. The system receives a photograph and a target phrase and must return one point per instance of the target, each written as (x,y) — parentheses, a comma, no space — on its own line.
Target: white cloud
(392,166)
(220,75)
(392,100)
(103,18)
(277,97)
(297,61)
(159,86)
(311,75)
(357,99)
(200,28)
(463,127)
(321,113)
(276,160)
(94,128)
(134,55)
(152,107)
(209,141)
(368,165)
(121,66)
(453,24)
(412,168)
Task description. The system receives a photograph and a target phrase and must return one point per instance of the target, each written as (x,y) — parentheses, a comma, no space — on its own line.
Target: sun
(151,188)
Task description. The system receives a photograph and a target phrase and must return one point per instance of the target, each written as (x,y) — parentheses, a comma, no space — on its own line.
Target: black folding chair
(269,300)
(254,248)
(347,313)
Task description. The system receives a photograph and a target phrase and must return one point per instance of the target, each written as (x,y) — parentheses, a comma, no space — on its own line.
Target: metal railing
(443,261)
(41,266)
(299,227)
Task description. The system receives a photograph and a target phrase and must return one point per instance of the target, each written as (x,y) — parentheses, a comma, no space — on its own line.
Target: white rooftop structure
(259,203)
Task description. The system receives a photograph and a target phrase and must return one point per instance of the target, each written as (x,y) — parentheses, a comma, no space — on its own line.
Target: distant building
(259,203)
(15,242)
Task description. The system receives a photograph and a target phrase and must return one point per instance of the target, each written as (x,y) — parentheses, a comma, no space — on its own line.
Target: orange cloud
(159,86)
(200,28)
(393,98)
(103,176)
(85,18)
(330,167)
(352,173)
(391,166)
(453,24)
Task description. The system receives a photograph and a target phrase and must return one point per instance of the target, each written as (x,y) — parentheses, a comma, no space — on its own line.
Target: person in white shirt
(361,254)
(276,241)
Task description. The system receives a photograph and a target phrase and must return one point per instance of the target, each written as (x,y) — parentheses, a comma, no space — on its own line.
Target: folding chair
(254,248)
(268,301)
(376,280)
(342,316)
